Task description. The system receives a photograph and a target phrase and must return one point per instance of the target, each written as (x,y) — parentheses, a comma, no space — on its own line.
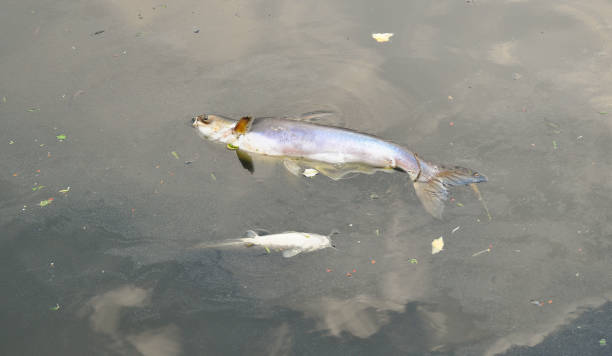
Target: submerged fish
(290,242)
(335,146)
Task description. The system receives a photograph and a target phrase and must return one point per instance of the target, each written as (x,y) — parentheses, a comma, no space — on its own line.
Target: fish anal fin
(242,126)
(291,252)
(246,160)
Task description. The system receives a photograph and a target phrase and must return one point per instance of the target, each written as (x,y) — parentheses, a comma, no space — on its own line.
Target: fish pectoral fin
(291,252)
(292,167)
(246,160)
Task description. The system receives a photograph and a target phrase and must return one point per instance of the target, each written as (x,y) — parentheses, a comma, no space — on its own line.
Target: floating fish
(346,150)
(291,243)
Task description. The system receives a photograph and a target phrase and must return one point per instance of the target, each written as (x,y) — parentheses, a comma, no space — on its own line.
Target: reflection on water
(518,90)
(105,317)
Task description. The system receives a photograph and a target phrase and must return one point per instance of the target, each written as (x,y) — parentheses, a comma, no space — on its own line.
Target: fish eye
(203,119)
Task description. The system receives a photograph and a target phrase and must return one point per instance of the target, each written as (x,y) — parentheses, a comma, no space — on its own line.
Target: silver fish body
(290,138)
(337,146)
(291,243)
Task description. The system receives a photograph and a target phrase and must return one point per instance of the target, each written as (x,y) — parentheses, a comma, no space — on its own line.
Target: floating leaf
(414,261)
(175,154)
(33,109)
(459,204)
(437,245)
(603,112)
(212,175)
(267,249)
(231,147)
(45,202)
(310,172)
(38,187)
(11,142)
(455,230)
(61,137)
(55,308)
(382,37)
(64,190)
(554,145)
(602,342)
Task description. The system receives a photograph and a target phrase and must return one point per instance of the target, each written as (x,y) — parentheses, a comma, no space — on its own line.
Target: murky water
(518,90)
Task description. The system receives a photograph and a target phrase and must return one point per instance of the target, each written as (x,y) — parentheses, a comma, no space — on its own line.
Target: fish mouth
(199,120)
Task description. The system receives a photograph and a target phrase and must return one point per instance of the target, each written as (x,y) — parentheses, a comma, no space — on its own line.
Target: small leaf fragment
(33,109)
(231,147)
(602,342)
(382,37)
(459,204)
(55,308)
(310,172)
(212,175)
(175,155)
(38,187)
(64,190)
(554,145)
(437,245)
(61,137)
(414,261)
(45,202)
(267,249)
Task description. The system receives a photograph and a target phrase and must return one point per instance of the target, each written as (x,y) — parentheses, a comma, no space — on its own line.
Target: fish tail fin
(434,191)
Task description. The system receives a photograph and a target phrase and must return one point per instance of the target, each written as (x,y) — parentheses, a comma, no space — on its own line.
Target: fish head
(215,128)
(314,242)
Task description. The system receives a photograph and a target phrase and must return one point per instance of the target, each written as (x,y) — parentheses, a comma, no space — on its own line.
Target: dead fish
(281,137)
(291,243)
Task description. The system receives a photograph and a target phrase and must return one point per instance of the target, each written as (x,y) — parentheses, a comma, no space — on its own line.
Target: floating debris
(455,230)
(175,155)
(61,137)
(603,113)
(481,252)
(231,147)
(602,342)
(33,109)
(4,100)
(460,205)
(11,142)
(38,187)
(55,308)
(310,172)
(382,37)
(414,261)
(554,145)
(437,245)
(64,190)
(98,32)
(196,29)
(45,202)
(212,175)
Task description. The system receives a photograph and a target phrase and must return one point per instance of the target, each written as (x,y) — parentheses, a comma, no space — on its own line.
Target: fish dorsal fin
(246,160)
(291,252)
(242,126)
(251,234)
